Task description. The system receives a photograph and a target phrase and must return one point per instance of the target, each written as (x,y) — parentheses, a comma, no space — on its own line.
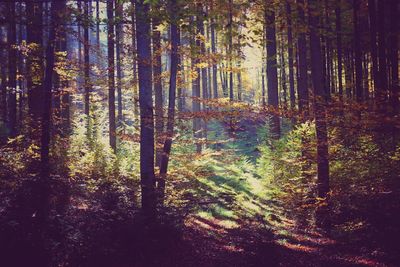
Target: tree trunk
(47,110)
(86,58)
(134,60)
(339,49)
(272,72)
(111,78)
(12,70)
(143,42)
(394,59)
(214,66)
(382,95)
(302,82)
(320,110)
(158,89)
(290,55)
(34,60)
(230,37)
(119,50)
(175,42)
(357,52)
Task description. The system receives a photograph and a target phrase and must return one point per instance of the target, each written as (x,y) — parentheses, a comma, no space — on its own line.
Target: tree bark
(111,76)
(272,72)
(12,70)
(290,55)
(320,110)
(143,42)
(175,42)
(357,52)
(302,82)
(158,89)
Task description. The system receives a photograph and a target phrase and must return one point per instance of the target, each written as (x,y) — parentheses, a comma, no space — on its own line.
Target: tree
(55,22)
(111,76)
(158,89)
(319,105)
(175,42)
(302,82)
(86,57)
(143,42)
(272,71)
(119,36)
(290,54)
(12,70)
(357,52)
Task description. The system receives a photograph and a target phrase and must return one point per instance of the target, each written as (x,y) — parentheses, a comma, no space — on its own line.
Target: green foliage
(285,163)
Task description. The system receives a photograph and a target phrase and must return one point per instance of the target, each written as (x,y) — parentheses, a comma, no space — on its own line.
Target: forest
(199,133)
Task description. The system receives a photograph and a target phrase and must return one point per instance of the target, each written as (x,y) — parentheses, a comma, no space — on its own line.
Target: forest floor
(240,224)
(230,220)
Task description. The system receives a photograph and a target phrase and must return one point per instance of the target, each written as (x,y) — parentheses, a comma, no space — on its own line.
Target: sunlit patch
(233,248)
(315,240)
(297,247)
(361,261)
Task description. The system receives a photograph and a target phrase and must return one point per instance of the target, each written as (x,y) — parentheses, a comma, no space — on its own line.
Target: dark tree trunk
(373,43)
(119,35)
(12,70)
(290,55)
(339,48)
(230,36)
(357,52)
(47,111)
(214,66)
(283,75)
(204,84)
(3,86)
(394,59)
(98,23)
(143,42)
(320,110)
(34,62)
(158,89)
(382,94)
(302,83)
(134,60)
(196,90)
(175,42)
(272,71)
(111,78)
(86,57)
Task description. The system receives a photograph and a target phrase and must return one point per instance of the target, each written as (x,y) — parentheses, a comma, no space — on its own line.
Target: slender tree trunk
(134,60)
(143,42)
(200,25)
(290,55)
(158,89)
(302,83)
(34,62)
(320,110)
(230,36)
(394,58)
(339,48)
(382,52)
(12,70)
(175,42)
(47,111)
(86,56)
(119,50)
(3,74)
(111,78)
(214,66)
(272,71)
(357,52)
